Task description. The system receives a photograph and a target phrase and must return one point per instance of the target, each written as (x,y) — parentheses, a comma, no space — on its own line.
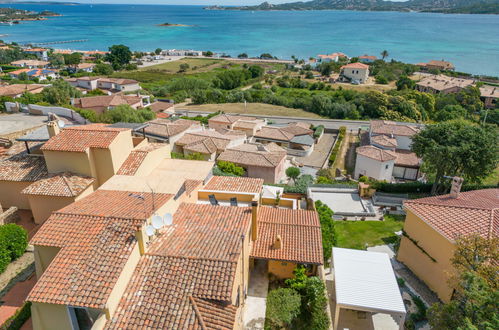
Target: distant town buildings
(111,85)
(367,58)
(333,57)
(40,74)
(31,64)
(17,90)
(100,104)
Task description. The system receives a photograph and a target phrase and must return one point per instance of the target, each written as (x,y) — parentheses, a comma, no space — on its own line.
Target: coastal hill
(441,6)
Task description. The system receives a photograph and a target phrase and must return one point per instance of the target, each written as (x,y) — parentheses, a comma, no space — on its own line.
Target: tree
(230,168)
(127,114)
(256,71)
(119,56)
(405,82)
(72,59)
(475,302)
(60,93)
(266,56)
(242,55)
(283,306)
(384,54)
(183,67)
(56,60)
(208,53)
(157,51)
(293,173)
(457,148)
(23,76)
(103,69)
(326,69)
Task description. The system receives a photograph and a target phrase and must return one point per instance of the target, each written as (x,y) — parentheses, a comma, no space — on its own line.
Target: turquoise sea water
(471,42)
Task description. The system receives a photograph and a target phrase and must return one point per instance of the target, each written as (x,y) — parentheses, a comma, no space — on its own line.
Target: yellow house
(433,223)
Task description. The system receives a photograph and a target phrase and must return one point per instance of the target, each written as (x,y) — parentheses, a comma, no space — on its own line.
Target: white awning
(365,281)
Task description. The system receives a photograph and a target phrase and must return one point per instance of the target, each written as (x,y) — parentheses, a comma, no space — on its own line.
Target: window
(82,318)
(387,166)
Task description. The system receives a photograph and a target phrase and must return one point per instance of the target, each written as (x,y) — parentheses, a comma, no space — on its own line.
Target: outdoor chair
(213,200)
(233,201)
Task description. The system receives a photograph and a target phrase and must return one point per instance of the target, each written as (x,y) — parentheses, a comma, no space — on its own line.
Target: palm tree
(384,54)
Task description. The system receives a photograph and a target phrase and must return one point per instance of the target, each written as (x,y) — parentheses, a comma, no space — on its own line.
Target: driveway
(256,302)
(321,151)
(19,122)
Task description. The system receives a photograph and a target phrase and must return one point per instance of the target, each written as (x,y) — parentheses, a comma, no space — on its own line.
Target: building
(437,65)
(181,52)
(83,67)
(166,130)
(386,152)
(17,90)
(436,84)
(146,249)
(489,95)
(248,125)
(259,161)
(41,53)
(110,85)
(31,64)
(296,138)
(209,143)
(367,58)
(41,74)
(163,107)
(355,73)
(100,104)
(431,226)
(333,57)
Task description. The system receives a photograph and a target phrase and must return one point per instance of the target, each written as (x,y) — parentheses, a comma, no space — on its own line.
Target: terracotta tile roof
(226,183)
(392,128)
(472,212)
(60,184)
(119,81)
(16,89)
(190,185)
(489,91)
(85,270)
(168,128)
(376,153)
(136,157)
(207,142)
(80,138)
(384,141)
(23,168)
(106,101)
(274,133)
(159,106)
(368,57)
(229,119)
(30,63)
(442,64)
(406,158)
(248,154)
(82,66)
(205,232)
(172,293)
(443,82)
(204,146)
(300,232)
(356,65)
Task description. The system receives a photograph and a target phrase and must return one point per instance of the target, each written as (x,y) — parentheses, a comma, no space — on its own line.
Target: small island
(173,25)
(14,16)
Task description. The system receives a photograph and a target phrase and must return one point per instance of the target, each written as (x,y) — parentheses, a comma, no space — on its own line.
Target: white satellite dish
(61,123)
(168,219)
(157,222)
(150,230)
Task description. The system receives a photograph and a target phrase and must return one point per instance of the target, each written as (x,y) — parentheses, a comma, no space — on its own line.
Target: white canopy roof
(365,281)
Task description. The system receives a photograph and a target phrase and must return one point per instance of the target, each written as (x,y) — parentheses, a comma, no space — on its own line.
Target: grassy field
(358,234)
(251,108)
(195,65)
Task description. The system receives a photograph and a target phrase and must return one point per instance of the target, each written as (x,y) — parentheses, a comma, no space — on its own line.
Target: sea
(471,42)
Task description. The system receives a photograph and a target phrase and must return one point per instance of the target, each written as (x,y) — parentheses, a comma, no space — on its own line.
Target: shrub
(327,228)
(301,185)
(176,155)
(4,256)
(17,320)
(230,168)
(314,304)
(16,239)
(337,146)
(363,179)
(293,173)
(283,306)
(218,172)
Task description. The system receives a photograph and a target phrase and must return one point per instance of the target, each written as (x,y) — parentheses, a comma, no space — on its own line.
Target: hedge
(419,187)
(337,145)
(16,238)
(17,320)
(283,307)
(318,131)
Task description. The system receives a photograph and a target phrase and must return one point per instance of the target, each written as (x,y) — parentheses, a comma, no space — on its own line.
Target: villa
(31,64)
(489,95)
(296,138)
(433,223)
(83,67)
(165,130)
(41,53)
(437,65)
(41,74)
(100,104)
(367,58)
(333,57)
(17,90)
(386,153)
(248,125)
(437,84)
(110,85)
(160,242)
(355,73)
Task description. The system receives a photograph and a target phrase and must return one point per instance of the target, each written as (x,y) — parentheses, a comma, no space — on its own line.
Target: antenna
(61,123)
(157,222)
(150,230)
(168,219)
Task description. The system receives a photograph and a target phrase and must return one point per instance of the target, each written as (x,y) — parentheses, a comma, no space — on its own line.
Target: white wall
(373,168)
(356,74)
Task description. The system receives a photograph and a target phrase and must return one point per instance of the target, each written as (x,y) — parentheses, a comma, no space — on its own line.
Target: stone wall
(9,216)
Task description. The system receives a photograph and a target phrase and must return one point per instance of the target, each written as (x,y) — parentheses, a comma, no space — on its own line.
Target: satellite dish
(168,219)
(61,123)
(157,222)
(150,230)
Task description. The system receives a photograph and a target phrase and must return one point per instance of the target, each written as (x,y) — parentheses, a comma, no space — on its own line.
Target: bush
(4,256)
(230,168)
(218,172)
(318,131)
(301,185)
(337,145)
(327,228)
(17,320)
(293,173)
(283,306)
(16,239)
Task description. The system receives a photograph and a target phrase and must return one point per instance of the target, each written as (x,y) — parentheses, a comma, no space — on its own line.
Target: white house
(30,64)
(182,52)
(355,72)
(333,57)
(41,53)
(388,155)
(118,85)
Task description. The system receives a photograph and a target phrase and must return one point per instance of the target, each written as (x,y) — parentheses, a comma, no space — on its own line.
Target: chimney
(457,182)
(254,220)
(278,242)
(53,128)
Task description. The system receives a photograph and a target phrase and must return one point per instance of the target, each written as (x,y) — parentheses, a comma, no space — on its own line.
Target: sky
(185,2)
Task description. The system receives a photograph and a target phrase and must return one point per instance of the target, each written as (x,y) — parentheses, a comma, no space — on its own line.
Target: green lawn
(356,234)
